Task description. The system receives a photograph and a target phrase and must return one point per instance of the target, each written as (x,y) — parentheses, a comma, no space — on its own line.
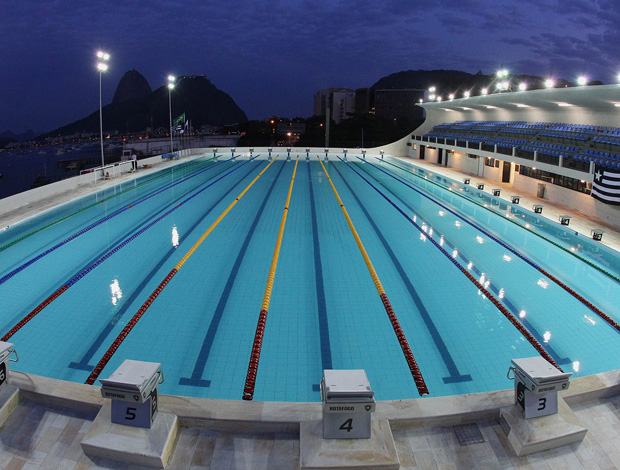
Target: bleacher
(570,145)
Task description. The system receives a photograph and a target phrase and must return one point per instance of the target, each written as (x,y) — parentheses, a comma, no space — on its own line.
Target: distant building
(364,101)
(341,102)
(399,104)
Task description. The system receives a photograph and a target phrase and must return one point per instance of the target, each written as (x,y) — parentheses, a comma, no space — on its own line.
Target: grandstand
(549,143)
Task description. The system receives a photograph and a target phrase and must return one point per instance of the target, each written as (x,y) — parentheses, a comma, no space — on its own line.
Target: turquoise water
(325,311)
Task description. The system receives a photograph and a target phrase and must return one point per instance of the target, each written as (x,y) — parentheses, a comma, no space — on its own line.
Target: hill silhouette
(455,81)
(194,95)
(133,86)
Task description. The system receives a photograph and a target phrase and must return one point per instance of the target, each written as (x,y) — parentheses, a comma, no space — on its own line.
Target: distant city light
(581,81)
(549,83)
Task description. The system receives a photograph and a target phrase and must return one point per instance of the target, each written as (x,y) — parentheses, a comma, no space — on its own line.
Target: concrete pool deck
(46,420)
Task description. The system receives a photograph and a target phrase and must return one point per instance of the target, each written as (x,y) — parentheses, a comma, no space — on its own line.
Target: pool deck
(51,418)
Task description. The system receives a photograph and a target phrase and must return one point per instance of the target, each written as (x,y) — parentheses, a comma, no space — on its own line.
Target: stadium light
(502,73)
(485,91)
(432,89)
(102,66)
(171,80)
(466,94)
(581,81)
(549,83)
(439,99)
(451,96)
(522,86)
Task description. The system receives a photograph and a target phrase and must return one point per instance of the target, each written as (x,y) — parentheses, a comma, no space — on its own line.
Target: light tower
(171,80)
(102,66)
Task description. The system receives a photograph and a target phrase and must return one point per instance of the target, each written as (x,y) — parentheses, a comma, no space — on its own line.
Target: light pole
(102,66)
(171,80)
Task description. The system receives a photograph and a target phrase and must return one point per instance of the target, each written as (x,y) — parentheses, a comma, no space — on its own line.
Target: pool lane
(572,292)
(145,306)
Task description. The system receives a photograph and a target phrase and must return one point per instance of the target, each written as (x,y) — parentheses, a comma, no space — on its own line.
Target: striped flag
(606,185)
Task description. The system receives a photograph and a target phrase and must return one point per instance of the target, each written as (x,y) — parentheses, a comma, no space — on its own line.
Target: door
(506,173)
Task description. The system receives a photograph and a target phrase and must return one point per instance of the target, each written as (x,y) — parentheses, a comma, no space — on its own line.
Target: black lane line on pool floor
(83,364)
(494,289)
(455,376)
(326,349)
(196,379)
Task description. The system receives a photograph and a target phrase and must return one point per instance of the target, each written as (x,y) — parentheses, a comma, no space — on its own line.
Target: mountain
(193,95)
(454,81)
(23,137)
(133,86)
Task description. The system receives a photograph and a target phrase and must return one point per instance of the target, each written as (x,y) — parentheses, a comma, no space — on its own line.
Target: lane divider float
(250,380)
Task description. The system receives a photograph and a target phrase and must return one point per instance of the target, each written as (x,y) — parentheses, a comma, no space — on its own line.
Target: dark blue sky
(271,56)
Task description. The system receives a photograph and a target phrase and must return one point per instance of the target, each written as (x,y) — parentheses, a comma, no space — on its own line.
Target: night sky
(271,56)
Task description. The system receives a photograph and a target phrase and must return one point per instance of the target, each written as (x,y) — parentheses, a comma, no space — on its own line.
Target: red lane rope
(123,334)
(248,390)
(511,318)
(34,313)
(587,303)
(404,344)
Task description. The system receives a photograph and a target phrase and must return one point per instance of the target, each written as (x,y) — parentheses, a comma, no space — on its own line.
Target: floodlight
(581,81)
(549,83)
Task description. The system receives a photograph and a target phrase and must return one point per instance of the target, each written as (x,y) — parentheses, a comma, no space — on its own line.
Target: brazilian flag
(180,120)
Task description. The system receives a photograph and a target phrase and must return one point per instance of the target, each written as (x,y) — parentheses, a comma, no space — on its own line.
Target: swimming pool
(325,311)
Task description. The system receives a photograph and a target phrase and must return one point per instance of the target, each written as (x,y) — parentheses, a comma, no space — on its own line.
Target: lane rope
(400,335)
(250,380)
(123,334)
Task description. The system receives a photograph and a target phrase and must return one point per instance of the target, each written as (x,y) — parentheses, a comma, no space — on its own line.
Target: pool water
(325,311)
